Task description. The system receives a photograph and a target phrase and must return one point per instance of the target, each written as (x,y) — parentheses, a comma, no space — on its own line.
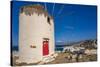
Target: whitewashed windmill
(36,34)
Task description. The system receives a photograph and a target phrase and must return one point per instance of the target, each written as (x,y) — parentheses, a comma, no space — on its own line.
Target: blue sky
(72,22)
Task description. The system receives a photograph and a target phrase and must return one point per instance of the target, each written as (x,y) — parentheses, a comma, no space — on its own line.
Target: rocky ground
(65,58)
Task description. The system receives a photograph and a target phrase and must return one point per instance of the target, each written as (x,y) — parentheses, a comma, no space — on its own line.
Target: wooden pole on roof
(59,12)
(53,9)
(45,6)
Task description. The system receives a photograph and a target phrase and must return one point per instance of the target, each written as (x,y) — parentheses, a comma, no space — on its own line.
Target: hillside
(90,44)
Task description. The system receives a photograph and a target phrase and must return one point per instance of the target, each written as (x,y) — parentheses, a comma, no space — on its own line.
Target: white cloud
(59,41)
(69,27)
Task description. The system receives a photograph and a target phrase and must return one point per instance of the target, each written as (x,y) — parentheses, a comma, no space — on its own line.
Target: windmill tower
(36,34)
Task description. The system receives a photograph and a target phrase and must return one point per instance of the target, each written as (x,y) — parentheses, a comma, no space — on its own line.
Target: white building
(69,48)
(72,48)
(36,34)
(90,51)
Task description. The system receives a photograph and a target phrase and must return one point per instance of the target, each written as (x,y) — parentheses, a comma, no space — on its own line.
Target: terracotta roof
(37,8)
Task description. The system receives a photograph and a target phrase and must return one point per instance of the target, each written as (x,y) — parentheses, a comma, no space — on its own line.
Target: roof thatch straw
(31,9)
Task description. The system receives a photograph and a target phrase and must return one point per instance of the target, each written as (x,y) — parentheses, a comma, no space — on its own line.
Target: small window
(32,46)
(48,20)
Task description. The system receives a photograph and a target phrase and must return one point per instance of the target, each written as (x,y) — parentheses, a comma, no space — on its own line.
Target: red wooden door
(45,48)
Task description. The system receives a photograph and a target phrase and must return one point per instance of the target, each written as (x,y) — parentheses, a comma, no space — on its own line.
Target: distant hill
(87,44)
(65,43)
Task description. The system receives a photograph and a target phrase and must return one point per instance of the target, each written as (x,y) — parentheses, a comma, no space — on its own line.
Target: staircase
(48,58)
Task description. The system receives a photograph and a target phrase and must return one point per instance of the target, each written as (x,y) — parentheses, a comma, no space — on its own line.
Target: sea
(59,47)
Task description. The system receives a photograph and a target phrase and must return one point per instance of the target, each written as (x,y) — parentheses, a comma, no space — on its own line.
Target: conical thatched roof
(31,9)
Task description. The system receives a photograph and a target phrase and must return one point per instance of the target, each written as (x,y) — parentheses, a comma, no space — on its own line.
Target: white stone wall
(32,30)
